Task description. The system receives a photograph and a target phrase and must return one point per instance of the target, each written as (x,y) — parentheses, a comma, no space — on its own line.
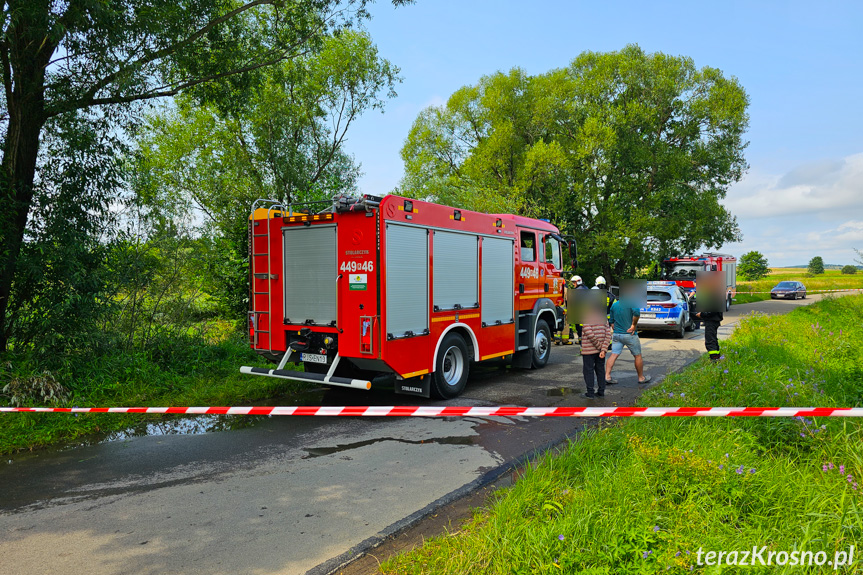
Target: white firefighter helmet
(600,281)
(576,280)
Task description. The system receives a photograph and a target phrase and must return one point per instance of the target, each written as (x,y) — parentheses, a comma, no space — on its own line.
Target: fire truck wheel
(541,344)
(451,367)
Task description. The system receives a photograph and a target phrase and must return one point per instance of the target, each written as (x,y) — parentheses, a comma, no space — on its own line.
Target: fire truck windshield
(682,270)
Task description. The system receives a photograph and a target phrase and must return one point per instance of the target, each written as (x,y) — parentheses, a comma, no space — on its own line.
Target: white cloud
(815,209)
(819,189)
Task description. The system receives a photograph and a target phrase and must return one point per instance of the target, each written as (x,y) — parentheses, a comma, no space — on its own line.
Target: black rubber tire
(727,303)
(804,295)
(539,357)
(690,325)
(448,379)
(679,333)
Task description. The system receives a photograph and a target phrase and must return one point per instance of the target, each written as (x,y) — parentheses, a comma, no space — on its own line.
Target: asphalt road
(292,494)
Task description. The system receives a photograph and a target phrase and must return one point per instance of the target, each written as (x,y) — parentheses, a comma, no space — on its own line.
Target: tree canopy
(816,266)
(630,152)
(285,144)
(95,63)
(753,265)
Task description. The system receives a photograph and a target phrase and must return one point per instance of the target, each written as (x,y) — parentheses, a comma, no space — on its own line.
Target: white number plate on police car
(648,315)
(313,357)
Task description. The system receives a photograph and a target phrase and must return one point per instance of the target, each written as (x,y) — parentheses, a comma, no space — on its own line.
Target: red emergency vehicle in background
(683,270)
(359,288)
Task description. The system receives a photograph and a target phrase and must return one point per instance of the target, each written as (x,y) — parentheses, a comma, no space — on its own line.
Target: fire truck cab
(683,270)
(394,289)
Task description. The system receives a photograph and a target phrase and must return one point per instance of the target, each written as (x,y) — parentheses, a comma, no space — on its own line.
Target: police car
(666,309)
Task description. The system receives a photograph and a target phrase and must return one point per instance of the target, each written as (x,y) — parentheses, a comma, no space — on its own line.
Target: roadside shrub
(849,270)
(38,388)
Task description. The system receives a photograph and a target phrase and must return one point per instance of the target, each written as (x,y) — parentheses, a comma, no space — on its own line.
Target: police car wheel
(541,344)
(679,332)
(690,324)
(452,365)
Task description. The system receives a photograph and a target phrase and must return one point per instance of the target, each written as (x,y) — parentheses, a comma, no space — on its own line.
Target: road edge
(341,561)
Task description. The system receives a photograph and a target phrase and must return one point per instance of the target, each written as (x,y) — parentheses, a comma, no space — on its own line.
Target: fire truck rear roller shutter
(407,280)
(310,274)
(497,280)
(456,267)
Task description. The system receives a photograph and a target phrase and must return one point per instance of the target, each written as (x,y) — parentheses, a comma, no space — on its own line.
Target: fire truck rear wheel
(541,344)
(452,365)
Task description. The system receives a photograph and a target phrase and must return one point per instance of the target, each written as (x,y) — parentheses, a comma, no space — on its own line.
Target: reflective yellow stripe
(452,317)
(537,296)
(414,373)
(485,357)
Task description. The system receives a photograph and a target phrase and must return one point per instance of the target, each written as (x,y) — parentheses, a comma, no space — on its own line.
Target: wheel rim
(453,366)
(540,344)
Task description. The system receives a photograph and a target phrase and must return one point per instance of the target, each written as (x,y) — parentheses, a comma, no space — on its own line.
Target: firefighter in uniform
(579,284)
(711,320)
(601,284)
(566,337)
(609,297)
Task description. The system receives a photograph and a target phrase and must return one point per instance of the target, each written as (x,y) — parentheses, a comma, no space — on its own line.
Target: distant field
(829,280)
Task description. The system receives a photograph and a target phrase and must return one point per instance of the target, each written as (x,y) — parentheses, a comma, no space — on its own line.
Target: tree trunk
(26,103)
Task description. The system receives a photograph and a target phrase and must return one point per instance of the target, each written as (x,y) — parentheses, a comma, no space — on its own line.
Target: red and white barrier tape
(455,411)
(739,292)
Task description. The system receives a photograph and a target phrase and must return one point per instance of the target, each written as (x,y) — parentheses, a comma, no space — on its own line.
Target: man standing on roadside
(624,319)
(596,334)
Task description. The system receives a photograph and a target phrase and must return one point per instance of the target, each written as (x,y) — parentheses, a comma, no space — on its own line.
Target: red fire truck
(683,270)
(395,289)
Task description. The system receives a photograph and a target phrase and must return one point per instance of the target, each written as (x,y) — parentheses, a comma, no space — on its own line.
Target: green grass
(829,280)
(643,495)
(177,372)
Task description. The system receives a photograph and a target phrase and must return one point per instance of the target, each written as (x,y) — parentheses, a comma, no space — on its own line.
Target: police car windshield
(658,296)
(684,270)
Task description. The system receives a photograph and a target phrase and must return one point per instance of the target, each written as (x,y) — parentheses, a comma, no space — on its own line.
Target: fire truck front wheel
(452,365)
(541,344)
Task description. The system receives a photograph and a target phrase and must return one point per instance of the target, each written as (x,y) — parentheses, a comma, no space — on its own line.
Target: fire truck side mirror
(573,253)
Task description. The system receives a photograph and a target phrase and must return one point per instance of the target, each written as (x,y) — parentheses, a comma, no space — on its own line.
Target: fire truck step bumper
(309,377)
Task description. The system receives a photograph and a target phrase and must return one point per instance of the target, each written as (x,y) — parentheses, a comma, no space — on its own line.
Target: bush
(849,270)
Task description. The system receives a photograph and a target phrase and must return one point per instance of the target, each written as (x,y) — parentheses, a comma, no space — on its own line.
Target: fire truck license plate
(313,358)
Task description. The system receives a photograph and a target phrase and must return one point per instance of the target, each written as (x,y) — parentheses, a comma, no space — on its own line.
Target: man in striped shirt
(595,337)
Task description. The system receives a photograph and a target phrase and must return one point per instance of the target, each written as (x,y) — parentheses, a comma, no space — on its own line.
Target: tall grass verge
(185,370)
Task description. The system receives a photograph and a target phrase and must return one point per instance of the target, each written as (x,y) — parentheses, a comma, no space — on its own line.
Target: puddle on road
(184,426)
(158,425)
(321,451)
(561,391)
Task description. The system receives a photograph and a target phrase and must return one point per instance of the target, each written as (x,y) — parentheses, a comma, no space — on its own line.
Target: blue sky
(801,64)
